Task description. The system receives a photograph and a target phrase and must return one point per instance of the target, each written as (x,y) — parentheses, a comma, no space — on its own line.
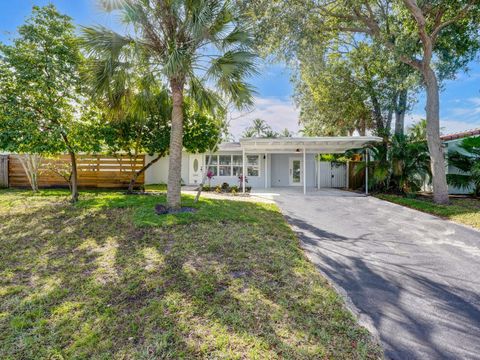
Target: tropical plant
(187,45)
(286,133)
(402,165)
(467,160)
(259,129)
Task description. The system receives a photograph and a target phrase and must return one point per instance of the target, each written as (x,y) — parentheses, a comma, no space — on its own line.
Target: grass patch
(462,210)
(109,279)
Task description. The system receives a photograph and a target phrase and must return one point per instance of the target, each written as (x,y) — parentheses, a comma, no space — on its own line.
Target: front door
(295,172)
(196,168)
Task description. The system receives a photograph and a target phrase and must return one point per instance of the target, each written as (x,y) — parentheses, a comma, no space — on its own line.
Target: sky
(460,98)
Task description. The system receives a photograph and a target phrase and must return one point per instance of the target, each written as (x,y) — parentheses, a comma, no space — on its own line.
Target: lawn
(109,279)
(463,210)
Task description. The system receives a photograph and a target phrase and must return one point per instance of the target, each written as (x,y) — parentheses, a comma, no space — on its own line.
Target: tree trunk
(176,146)
(400,110)
(135,176)
(74,177)
(440,187)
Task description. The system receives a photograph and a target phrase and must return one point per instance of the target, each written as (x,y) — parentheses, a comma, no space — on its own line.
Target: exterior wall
(158,172)
(279,169)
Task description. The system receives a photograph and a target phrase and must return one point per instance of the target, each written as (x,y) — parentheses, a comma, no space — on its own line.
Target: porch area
(293,162)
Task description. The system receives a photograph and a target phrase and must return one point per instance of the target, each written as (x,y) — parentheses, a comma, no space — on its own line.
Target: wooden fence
(3,171)
(356,180)
(94,171)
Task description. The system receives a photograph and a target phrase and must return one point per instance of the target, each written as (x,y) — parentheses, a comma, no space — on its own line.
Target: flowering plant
(241,178)
(210,175)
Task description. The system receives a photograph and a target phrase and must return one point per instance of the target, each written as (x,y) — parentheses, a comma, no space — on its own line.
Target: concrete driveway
(412,278)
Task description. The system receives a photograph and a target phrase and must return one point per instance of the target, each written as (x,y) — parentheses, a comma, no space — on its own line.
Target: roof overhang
(316,145)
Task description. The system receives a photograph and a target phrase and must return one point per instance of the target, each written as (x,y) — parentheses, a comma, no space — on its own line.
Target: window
(225,168)
(237,168)
(232,165)
(213,164)
(253,165)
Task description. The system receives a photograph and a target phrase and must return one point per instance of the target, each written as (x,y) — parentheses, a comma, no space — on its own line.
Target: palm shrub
(401,165)
(193,46)
(468,162)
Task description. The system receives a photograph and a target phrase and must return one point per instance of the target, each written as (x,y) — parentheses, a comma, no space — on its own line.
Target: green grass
(108,279)
(462,210)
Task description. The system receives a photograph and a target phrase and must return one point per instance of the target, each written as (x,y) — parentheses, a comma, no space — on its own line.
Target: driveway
(412,278)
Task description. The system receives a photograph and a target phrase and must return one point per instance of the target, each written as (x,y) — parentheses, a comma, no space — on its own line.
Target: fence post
(3,171)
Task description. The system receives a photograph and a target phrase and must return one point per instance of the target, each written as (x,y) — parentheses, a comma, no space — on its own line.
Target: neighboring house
(278,162)
(451,143)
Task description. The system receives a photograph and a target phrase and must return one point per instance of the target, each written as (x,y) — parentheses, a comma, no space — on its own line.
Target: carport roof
(326,144)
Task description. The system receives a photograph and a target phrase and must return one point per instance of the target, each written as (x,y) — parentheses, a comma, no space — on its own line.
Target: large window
(231,165)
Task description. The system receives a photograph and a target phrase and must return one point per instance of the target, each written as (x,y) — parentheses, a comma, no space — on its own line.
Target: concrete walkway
(413,279)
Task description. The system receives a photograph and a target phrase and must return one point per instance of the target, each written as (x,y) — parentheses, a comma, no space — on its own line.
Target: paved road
(414,279)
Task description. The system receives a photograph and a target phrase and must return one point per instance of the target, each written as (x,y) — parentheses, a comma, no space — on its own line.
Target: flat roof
(323,144)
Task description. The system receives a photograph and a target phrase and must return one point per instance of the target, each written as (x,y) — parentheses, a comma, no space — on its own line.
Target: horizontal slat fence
(94,171)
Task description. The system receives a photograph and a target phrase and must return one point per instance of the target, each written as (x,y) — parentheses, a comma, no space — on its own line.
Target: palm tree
(285,133)
(468,162)
(248,133)
(188,45)
(259,127)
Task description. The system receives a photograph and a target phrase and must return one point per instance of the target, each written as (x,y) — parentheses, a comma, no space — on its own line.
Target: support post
(266,170)
(244,173)
(366,171)
(319,173)
(304,172)
(348,175)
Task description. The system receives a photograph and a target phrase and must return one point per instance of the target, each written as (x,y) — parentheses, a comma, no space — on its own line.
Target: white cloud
(470,111)
(279,113)
(447,126)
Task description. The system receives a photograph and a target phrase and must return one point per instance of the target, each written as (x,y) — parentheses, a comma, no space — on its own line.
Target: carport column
(304,172)
(348,175)
(243,171)
(266,169)
(366,171)
(319,173)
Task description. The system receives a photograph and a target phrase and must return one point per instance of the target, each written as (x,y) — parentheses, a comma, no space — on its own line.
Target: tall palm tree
(259,127)
(191,45)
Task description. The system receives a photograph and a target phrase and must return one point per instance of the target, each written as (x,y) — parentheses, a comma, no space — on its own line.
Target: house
(277,162)
(451,143)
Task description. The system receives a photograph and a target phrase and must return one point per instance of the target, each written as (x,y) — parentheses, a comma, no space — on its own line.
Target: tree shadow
(418,313)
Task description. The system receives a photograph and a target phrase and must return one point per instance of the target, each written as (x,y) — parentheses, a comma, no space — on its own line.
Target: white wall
(158,172)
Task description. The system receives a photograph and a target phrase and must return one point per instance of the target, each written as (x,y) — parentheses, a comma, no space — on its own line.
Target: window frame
(233,165)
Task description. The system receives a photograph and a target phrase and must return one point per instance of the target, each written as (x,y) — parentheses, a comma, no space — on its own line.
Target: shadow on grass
(86,282)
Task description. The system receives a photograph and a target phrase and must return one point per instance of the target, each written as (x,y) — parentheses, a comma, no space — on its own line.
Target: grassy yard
(108,278)
(462,210)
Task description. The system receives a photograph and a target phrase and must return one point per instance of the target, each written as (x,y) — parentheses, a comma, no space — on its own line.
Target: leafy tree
(187,44)
(433,38)
(467,160)
(42,107)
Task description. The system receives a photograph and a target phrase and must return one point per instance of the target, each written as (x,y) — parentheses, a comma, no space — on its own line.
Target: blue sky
(460,99)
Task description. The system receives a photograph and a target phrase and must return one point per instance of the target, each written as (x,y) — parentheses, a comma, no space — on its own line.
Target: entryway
(295,171)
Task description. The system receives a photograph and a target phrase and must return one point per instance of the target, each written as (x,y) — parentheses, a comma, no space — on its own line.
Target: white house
(278,162)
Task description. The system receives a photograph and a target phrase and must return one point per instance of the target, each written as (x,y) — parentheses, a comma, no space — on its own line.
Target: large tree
(189,45)
(435,38)
(43,109)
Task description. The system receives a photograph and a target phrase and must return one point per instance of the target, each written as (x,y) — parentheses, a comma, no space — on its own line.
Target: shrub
(225,186)
(218,189)
(206,188)
(248,188)
(234,188)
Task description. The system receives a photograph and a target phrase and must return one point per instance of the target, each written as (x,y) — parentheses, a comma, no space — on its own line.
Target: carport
(299,148)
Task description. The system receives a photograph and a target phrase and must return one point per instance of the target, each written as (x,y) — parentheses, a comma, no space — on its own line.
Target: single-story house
(451,143)
(277,162)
